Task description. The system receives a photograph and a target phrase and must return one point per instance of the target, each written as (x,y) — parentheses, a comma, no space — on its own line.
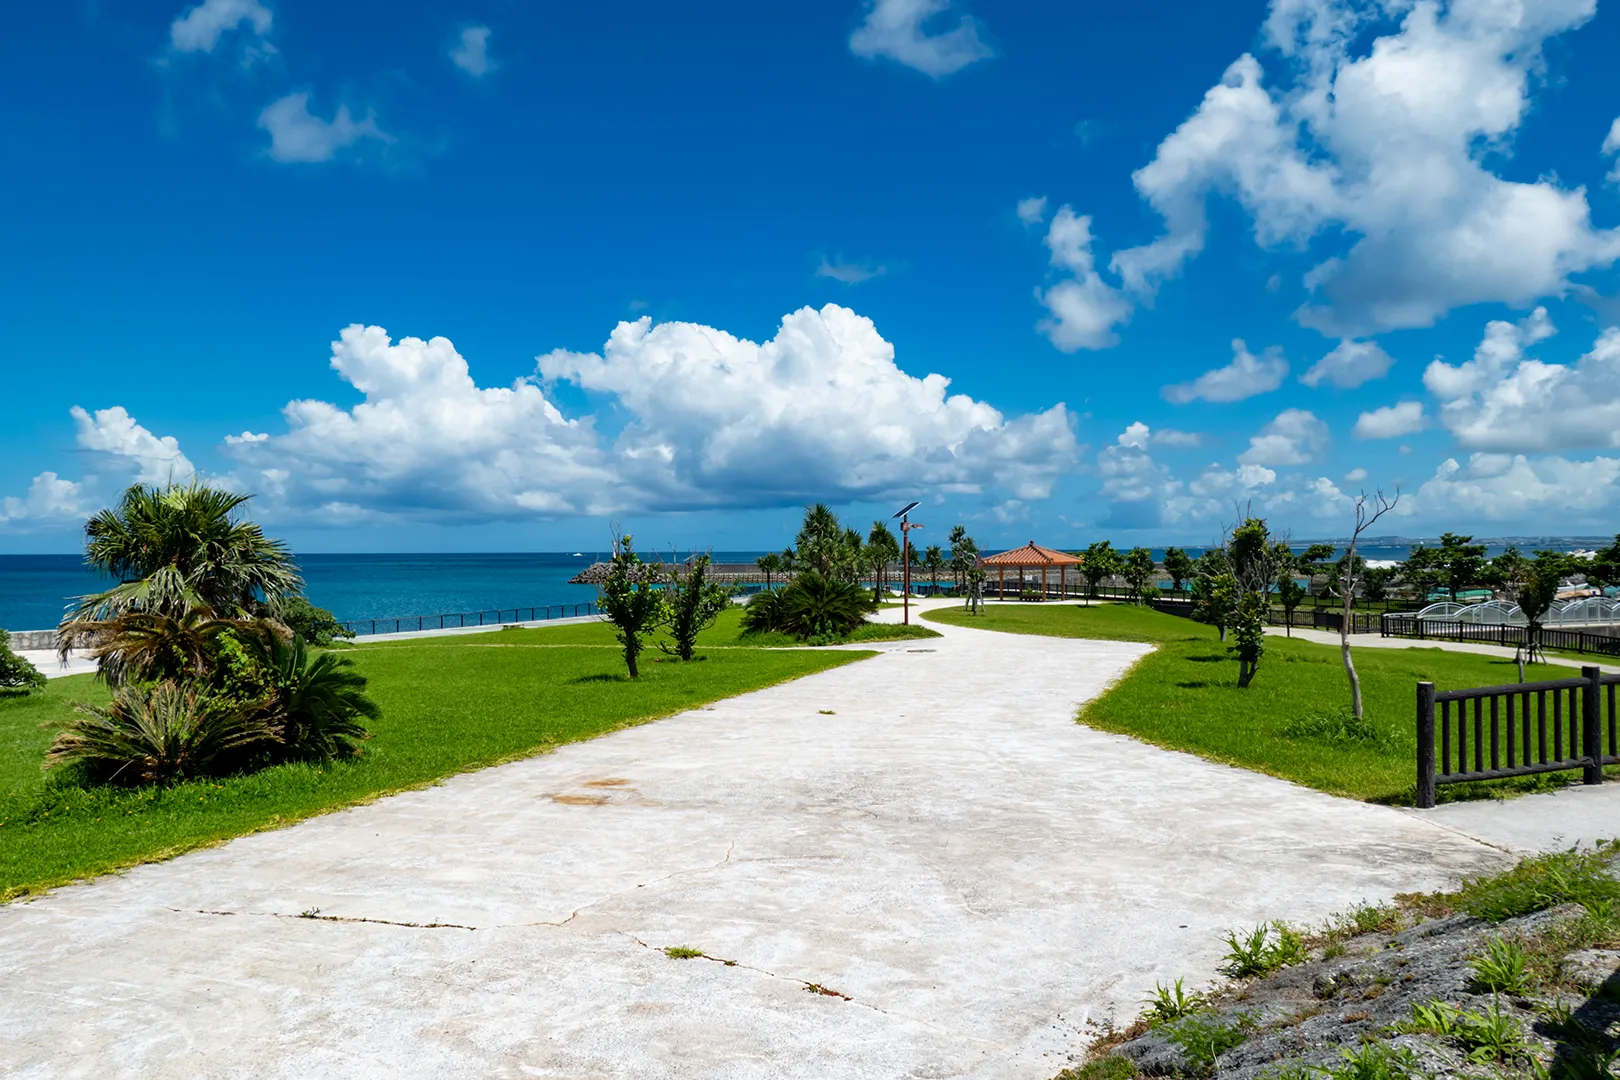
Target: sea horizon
(36,590)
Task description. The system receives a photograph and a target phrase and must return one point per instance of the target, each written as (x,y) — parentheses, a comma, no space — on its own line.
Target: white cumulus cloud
(1350,364)
(1295,437)
(297,135)
(471,53)
(898,30)
(1515,488)
(113,431)
(1502,400)
(1389,137)
(821,411)
(1391,421)
(201,27)
(49,498)
(1084,309)
(1246,376)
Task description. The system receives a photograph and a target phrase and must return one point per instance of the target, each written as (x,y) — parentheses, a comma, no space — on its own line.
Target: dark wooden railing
(367,627)
(1493,732)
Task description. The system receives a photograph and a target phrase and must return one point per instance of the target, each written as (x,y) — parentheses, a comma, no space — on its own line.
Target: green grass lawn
(449,705)
(1184,696)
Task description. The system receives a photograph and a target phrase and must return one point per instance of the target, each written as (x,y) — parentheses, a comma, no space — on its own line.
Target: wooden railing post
(1425,744)
(1592,725)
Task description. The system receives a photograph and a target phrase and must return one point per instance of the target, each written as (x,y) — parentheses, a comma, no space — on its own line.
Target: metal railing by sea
(455,620)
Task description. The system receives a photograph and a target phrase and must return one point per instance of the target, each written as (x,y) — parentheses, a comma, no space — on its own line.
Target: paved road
(926,833)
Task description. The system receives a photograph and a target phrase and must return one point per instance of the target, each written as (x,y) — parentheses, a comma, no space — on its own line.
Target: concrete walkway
(927,834)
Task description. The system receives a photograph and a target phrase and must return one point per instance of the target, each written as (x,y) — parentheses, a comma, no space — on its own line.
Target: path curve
(927,833)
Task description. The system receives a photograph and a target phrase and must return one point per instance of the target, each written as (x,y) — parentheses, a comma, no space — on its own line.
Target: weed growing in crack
(310,913)
(1262,951)
(682,952)
(1502,969)
(1169,1003)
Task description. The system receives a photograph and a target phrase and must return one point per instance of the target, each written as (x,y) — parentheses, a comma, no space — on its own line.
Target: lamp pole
(905,563)
(905,558)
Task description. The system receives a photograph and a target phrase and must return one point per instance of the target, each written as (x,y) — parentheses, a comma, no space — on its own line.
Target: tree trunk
(1344,647)
(630,661)
(1245,673)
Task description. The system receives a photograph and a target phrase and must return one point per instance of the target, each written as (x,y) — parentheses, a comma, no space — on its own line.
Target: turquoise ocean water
(34,589)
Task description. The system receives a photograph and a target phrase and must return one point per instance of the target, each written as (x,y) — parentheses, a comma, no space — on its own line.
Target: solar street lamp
(905,558)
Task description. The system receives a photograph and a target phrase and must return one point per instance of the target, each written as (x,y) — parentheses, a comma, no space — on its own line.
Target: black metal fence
(452,620)
(1361,622)
(1580,641)
(1516,730)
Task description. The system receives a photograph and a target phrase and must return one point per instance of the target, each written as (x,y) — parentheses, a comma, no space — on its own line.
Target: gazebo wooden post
(1043,581)
(1063,588)
(1001,583)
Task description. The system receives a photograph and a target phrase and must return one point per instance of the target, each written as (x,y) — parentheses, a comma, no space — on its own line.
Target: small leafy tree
(1291,594)
(1249,635)
(1460,562)
(1215,597)
(695,603)
(881,549)
(1312,562)
(1536,595)
(632,600)
(314,624)
(1180,566)
(1101,563)
(1138,569)
(16,673)
(1604,569)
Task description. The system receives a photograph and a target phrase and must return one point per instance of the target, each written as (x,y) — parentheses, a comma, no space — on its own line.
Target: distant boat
(579,554)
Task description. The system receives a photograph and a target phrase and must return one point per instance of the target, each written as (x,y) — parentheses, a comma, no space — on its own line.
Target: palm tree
(933,561)
(819,540)
(181,547)
(140,646)
(881,549)
(768,565)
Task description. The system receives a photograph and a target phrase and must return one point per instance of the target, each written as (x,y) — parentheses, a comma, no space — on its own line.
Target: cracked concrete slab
(927,834)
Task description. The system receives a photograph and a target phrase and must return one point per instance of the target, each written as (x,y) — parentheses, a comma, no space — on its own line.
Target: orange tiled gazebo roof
(1032,554)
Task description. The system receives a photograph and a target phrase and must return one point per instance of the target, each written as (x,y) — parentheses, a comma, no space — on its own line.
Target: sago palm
(317,700)
(815,605)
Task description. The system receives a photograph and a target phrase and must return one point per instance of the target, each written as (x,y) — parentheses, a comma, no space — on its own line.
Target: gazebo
(1023,558)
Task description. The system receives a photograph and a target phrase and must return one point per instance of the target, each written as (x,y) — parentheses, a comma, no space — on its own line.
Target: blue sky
(237,231)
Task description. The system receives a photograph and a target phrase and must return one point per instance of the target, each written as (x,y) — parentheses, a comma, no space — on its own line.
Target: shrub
(763,615)
(314,624)
(155,735)
(315,702)
(818,606)
(15,672)
(1203,1039)
(632,600)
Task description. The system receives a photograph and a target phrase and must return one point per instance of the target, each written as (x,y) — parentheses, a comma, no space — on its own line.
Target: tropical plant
(694,604)
(156,734)
(179,547)
(1604,569)
(1262,951)
(763,613)
(770,565)
(819,606)
(881,549)
(16,673)
(1179,565)
(633,601)
(1203,1038)
(314,624)
(314,700)
(146,646)
(964,554)
(820,543)
(1137,568)
(933,561)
